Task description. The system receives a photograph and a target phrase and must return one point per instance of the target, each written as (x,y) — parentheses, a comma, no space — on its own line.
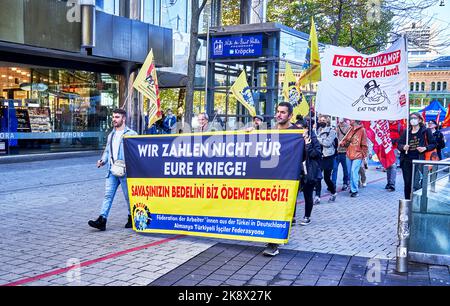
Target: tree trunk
(193,49)
(335,41)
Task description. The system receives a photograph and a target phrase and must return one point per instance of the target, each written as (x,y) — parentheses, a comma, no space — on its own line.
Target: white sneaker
(332,198)
(305,221)
(364,184)
(271,249)
(316,200)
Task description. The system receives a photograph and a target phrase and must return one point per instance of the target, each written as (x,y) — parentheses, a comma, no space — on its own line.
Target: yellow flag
(243,93)
(147,83)
(311,67)
(293,94)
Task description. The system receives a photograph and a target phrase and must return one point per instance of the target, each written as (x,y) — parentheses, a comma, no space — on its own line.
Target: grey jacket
(326,137)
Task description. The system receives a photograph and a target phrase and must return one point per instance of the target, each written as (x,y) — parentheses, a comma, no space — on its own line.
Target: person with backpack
(438,137)
(327,138)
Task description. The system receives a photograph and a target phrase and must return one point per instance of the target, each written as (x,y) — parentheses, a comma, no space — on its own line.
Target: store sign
(236,46)
(54,135)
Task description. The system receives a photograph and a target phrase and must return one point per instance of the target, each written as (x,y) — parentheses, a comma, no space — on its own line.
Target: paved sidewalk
(45,206)
(238,265)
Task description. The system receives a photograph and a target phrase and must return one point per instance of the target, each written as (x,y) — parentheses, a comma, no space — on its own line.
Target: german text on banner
(235,185)
(147,84)
(243,93)
(364,87)
(379,134)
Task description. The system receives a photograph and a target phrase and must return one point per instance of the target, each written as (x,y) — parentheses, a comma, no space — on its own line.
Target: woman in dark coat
(421,140)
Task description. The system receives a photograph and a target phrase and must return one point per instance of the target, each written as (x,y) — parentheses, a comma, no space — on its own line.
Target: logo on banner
(149,79)
(218,47)
(373,95)
(141,216)
(247,95)
(295,97)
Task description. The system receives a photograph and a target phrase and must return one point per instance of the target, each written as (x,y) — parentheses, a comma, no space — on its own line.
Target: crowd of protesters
(328,147)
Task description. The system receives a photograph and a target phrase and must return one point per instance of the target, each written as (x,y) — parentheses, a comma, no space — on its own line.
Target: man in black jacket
(311,166)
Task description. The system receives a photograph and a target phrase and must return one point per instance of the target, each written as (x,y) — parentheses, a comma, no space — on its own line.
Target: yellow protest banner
(243,93)
(147,84)
(311,72)
(293,94)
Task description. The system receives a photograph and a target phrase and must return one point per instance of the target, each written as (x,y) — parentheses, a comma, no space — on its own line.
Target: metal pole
(206,65)
(407,98)
(403,232)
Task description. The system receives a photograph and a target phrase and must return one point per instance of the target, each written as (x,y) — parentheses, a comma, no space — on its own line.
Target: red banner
(379,134)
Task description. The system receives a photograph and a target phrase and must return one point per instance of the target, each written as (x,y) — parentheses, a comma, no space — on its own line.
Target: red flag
(403,122)
(424,115)
(446,122)
(379,134)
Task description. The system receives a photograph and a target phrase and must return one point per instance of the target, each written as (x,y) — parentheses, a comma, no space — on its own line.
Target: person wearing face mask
(438,137)
(357,149)
(327,138)
(420,141)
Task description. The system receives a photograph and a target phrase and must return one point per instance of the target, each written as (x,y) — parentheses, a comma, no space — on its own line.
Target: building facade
(65,64)
(430,81)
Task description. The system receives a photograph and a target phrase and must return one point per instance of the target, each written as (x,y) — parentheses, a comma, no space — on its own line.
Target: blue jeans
(341,159)
(111,185)
(353,166)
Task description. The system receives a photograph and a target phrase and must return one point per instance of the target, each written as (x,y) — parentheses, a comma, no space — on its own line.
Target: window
(174,15)
(148,11)
(433,86)
(411,86)
(444,86)
(417,86)
(438,88)
(108,6)
(422,86)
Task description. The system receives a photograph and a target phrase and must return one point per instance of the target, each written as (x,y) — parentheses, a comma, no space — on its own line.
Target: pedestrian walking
(438,137)
(342,129)
(283,122)
(395,130)
(169,123)
(113,157)
(311,171)
(327,138)
(356,143)
(420,140)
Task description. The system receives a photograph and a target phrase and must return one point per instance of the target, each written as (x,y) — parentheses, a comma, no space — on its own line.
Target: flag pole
(407,92)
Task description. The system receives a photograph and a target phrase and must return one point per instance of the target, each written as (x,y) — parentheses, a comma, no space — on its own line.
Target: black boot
(100,223)
(129,224)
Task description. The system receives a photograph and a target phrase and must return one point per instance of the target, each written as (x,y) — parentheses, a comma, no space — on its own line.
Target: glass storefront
(54,110)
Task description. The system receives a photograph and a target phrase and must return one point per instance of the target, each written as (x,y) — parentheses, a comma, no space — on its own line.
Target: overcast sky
(441,15)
